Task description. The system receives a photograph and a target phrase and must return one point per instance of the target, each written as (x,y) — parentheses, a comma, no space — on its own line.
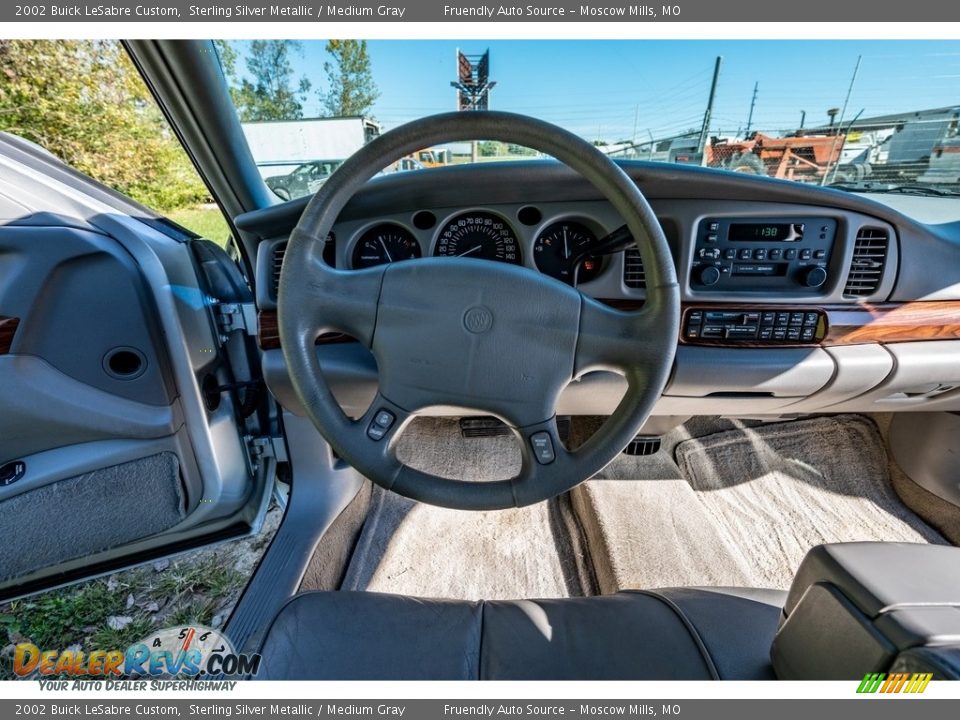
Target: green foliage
(83,101)
(268,93)
(352,90)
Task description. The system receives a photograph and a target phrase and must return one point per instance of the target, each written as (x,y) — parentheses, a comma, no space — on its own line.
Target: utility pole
(836,135)
(701,145)
(803,118)
(753,103)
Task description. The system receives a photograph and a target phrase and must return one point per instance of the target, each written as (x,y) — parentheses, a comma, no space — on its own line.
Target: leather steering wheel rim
(475,334)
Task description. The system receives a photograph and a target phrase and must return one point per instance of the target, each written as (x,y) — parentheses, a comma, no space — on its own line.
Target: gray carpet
(416,549)
(743,505)
(89,513)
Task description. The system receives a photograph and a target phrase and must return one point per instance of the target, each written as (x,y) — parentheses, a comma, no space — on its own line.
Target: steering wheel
(475,334)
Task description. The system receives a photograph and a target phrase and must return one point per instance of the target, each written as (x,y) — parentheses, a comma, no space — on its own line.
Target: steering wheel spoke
(330,300)
(612,339)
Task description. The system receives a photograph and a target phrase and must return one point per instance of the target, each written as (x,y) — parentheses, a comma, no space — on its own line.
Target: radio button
(819,254)
(745,254)
(790,254)
(775,253)
(806,254)
(760,254)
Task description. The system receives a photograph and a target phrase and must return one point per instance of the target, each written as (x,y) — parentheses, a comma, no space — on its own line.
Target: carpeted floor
(416,549)
(744,505)
(722,503)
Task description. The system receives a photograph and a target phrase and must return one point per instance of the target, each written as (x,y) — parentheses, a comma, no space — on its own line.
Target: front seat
(853,608)
(685,634)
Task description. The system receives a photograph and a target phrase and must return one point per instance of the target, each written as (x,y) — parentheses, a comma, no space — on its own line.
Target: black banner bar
(260,11)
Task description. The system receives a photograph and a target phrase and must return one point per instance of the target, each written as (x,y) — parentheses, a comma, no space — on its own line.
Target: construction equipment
(806,158)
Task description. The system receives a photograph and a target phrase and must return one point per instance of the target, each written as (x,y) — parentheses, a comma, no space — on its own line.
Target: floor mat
(411,548)
(744,506)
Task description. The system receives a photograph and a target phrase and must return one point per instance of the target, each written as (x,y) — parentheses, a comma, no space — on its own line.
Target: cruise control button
(380,425)
(542,446)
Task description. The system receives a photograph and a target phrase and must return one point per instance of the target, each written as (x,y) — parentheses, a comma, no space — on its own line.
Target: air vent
(869,258)
(276,262)
(633,275)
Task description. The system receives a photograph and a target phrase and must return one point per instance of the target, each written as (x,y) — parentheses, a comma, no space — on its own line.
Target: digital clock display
(764,232)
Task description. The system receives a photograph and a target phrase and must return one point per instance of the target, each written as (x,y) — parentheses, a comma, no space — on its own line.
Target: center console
(741,257)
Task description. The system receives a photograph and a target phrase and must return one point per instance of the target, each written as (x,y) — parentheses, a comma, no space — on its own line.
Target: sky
(632,90)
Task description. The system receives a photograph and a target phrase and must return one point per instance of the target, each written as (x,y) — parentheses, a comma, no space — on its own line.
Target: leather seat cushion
(677,634)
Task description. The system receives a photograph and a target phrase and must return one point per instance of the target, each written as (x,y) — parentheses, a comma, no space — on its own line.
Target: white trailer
(280,146)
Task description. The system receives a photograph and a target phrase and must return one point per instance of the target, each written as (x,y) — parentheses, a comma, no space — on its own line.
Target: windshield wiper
(894,188)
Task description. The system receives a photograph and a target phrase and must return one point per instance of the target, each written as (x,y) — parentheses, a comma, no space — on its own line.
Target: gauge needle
(566,247)
(384,246)
(471,250)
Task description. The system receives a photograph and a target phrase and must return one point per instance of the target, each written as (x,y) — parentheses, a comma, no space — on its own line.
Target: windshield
(878,116)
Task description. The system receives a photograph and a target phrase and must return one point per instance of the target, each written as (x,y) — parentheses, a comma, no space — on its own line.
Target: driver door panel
(108,455)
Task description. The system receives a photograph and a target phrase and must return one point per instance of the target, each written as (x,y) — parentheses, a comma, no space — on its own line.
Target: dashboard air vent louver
(633,274)
(276,262)
(869,258)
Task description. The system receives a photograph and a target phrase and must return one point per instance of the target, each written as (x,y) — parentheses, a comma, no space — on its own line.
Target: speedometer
(478,235)
(384,243)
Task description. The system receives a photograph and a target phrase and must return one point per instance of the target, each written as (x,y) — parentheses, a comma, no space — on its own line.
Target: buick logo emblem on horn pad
(478,319)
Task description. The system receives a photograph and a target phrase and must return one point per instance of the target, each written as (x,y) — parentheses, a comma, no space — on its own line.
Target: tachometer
(478,235)
(561,246)
(384,243)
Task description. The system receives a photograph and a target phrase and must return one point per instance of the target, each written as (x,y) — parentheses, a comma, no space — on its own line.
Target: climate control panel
(785,255)
(753,325)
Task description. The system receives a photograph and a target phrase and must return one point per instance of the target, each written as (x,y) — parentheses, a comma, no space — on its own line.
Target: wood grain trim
(893,322)
(8,328)
(268,332)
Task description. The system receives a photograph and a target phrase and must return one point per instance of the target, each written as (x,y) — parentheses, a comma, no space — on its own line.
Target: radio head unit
(786,255)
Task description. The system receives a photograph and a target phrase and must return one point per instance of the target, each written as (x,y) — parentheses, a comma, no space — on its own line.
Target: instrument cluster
(561,247)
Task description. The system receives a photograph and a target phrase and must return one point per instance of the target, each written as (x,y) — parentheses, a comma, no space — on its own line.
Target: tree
(352,90)
(85,103)
(267,92)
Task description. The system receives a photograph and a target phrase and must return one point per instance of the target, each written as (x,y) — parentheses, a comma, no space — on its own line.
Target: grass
(114,612)
(205,220)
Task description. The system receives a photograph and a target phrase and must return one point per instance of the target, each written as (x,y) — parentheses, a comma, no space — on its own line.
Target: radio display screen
(764,232)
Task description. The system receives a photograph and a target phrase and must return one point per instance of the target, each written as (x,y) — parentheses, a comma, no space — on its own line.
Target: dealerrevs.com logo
(191,651)
(912,683)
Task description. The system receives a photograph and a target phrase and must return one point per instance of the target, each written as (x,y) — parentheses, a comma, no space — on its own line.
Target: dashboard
(792,296)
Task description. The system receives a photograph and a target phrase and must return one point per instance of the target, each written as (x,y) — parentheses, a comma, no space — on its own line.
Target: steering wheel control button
(542,445)
(381,424)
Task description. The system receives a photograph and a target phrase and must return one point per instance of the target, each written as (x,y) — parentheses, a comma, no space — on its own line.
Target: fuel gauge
(559,245)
